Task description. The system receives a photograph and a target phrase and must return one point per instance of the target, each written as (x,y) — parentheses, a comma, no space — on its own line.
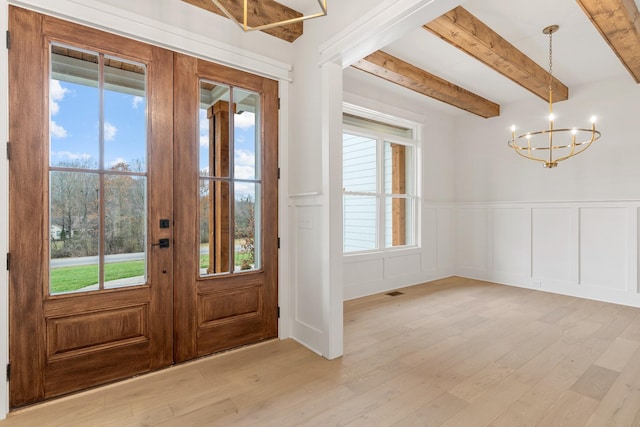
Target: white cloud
(56,94)
(137,100)
(204,140)
(56,130)
(109,131)
(204,122)
(245,172)
(118,161)
(245,120)
(70,155)
(245,158)
(245,164)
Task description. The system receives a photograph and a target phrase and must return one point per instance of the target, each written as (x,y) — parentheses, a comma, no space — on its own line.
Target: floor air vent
(395,293)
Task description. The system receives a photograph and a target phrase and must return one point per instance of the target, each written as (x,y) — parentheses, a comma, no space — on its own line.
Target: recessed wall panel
(309,271)
(604,234)
(403,265)
(552,256)
(363,271)
(445,238)
(471,238)
(430,238)
(511,241)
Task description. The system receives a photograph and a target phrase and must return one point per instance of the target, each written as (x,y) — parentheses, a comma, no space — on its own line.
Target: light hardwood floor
(453,352)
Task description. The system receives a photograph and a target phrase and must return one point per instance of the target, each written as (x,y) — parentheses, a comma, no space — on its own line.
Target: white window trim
(381,138)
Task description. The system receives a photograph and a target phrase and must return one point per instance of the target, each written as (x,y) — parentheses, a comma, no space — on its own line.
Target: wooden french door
(225,280)
(126,257)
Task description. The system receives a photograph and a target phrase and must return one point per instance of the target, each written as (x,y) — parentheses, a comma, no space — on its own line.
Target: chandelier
(245,24)
(540,145)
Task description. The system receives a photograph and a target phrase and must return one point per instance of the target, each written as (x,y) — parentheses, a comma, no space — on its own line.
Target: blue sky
(74,130)
(74,125)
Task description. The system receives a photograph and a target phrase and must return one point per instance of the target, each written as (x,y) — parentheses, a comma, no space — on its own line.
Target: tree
(245,229)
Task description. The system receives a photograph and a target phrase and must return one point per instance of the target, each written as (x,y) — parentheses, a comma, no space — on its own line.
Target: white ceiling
(580,54)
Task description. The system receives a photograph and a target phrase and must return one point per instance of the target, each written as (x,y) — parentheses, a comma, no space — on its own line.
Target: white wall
(571,230)
(488,171)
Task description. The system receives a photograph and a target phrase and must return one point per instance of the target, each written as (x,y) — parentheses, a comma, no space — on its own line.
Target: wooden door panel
(77,334)
(224,306)
(66,375)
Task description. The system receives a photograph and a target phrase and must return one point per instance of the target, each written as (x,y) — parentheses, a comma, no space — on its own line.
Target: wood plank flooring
(454,352)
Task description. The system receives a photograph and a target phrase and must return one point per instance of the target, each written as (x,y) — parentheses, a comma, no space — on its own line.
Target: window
(230,179)
(97,171)
(379,182)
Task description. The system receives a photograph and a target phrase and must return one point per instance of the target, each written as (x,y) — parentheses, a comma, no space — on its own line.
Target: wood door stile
(185,102)
(28,158)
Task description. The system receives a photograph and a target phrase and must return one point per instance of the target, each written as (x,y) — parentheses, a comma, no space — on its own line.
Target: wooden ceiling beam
(260,12)
(618,21)
(392,69)
(466,32)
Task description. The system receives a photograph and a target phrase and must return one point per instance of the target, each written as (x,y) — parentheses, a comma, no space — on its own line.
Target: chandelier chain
(550,60)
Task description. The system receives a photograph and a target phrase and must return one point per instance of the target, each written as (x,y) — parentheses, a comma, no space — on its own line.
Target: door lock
(163,243)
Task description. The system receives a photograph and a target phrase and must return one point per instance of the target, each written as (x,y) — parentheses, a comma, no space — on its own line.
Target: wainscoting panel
(363,271)
(553,254)
(430,241)
(375,272)
(445,260)
(403,265)
(584,249)
(511,241)
(604,234)
(309,274)
(471,239)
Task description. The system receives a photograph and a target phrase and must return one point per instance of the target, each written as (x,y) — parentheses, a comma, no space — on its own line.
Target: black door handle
(163,243)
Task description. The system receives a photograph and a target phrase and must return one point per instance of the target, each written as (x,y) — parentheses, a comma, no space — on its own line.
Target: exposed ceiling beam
(469,34)
(619,23)
(260,12)
(390,68)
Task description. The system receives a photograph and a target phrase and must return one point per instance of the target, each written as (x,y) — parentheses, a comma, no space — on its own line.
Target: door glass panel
(214,130)
(247,220)
(124,230)
(74,100)
(246,139)
(215,238)
(98,190)
(125,126)
(74,231)
(230,188)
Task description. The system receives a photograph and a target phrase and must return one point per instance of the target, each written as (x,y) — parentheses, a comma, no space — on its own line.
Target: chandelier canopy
(245,12)
(540,145)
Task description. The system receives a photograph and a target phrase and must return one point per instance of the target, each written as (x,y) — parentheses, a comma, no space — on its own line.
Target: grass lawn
(204,259)
(68,279)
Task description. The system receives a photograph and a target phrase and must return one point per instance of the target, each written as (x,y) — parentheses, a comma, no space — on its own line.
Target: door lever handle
(163,243)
